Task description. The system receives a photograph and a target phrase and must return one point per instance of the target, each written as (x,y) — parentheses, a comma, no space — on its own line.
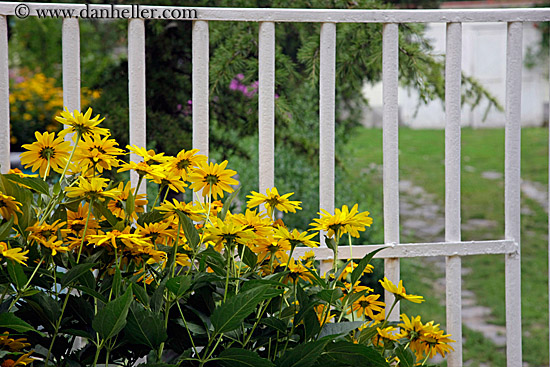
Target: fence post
(453,74)
(4,98)
(512,191)
(390,75)
(136,92)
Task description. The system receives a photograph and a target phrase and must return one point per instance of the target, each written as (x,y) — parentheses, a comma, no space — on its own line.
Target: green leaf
(303,355)
(130,204)
(56,188)
(331,244)
(117,283)
(110,320)
(249,257)
(344,353)
(351,298)
(275,323)
(34,183)
(339,328)
(24,197)
(141,294)
(6,228)
(189,229)
(153,216)
(358,271)
(230,315)
(72,205)
(10,321)
(227,204)
(91,292)
(192,327)
(237,357)
(145,327)
(179,285)
(330,295)
(158,296)
(102,208)
(406,356)
(17,275)
(75,273)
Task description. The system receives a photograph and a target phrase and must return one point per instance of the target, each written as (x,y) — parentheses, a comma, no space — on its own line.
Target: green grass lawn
(422,154)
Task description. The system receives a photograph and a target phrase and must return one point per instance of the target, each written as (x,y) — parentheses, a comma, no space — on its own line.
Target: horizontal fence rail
(308,15)
(453,248)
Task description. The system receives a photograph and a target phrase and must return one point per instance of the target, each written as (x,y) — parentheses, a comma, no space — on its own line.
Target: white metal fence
(453,248)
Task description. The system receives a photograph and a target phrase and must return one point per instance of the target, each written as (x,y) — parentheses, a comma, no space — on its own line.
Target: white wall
(483,57)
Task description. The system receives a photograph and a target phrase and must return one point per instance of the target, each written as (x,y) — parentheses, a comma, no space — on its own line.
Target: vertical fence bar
(453,72)
(512,193)
(200,39)
(4,98)
(327,72)
(70,35)
(390,75)
(549,217)
(136,91)
(266,102)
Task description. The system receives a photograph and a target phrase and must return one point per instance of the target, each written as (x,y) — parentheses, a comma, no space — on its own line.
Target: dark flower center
(47,152)
(211,179)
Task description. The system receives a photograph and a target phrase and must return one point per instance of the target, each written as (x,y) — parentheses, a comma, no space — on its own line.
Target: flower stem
(57,325)
(158,194)
(78,135)
(228,250)
(85,229)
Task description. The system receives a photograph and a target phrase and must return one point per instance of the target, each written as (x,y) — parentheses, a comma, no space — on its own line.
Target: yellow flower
(53,244)
(46,148)
(80,123)
(435,341)
(257,221)
(296,270)
(212,179)
(116,206)
(321,311)
(125,237)
(399,291)
(16,254)
(384,335)
(411,328)
(18,172)
(149,156)
(184,162)
(350,267)
(44,231)
(172,181)
(365,305)
(142,169)
(13,345)
(228,232)
(343,221)
(308,257)
(192,210)
(9,206)
(156,232)
(295,238)
(23,360)
(92,189)
(76,221)
(265,248)
(97,152)
(273,200)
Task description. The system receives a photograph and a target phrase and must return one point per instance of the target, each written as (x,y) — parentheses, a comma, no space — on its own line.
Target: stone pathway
(422,217)
(536,192)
